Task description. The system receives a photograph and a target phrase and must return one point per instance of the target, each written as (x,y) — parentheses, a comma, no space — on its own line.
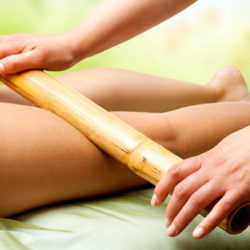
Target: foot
(230,85)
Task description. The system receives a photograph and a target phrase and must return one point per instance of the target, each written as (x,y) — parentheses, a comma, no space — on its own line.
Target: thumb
(16,63)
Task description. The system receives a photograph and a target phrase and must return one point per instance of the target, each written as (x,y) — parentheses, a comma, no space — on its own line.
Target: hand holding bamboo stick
(142,155)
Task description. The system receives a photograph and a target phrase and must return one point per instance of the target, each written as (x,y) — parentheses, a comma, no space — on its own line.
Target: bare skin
(58,163)
(231,83)
(112,22)
(222,174)
(122,90)
(46,160)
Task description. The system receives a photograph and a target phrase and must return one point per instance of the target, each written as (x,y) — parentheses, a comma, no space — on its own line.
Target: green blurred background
(190,46)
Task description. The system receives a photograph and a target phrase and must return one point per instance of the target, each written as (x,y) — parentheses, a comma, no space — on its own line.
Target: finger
(197,202)
(173,176)
(8,49)
(21,62)
(223,207)
(183,191)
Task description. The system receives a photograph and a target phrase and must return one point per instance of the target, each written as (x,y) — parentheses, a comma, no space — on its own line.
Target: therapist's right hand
(220,175)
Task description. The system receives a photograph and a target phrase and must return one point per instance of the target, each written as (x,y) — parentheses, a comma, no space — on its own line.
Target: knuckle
(10,66)
(209,223)
(29,46)
(160,190)
(13,65)
(197,200)
(190,160)
(226,205)
(180,191)
(174,172)
(189,163)
(158,193)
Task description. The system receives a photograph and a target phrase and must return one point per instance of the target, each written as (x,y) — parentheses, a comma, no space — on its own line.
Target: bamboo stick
(142,155)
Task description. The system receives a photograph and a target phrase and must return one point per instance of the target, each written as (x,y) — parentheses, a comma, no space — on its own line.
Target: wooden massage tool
(143,156)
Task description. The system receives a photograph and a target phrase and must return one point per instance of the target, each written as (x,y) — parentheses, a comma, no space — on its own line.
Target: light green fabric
(120,222)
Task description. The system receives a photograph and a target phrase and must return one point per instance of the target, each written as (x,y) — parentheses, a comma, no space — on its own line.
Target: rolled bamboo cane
(142,155)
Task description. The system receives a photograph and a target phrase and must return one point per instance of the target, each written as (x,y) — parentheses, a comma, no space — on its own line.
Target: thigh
(45,160)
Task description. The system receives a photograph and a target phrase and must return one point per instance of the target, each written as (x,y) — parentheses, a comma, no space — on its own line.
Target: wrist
(77,44)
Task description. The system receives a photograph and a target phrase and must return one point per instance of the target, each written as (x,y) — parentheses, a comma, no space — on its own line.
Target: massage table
(124,221)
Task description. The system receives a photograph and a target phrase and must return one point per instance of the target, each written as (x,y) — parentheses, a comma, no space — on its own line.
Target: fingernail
(154,201)
(167,222)
(172,230)
(198,232)
(2,69)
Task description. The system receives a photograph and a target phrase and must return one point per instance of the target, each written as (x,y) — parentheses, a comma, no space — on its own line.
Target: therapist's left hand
(221,174)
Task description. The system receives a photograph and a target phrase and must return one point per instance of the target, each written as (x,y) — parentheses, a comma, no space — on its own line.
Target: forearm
(115,21)
(111,23)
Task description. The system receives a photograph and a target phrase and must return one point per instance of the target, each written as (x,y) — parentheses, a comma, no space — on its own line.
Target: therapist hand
(221,174)
(20,52)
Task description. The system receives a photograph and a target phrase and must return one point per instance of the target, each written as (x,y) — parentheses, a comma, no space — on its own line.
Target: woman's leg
(121,90)
(198,128)
(45,160)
